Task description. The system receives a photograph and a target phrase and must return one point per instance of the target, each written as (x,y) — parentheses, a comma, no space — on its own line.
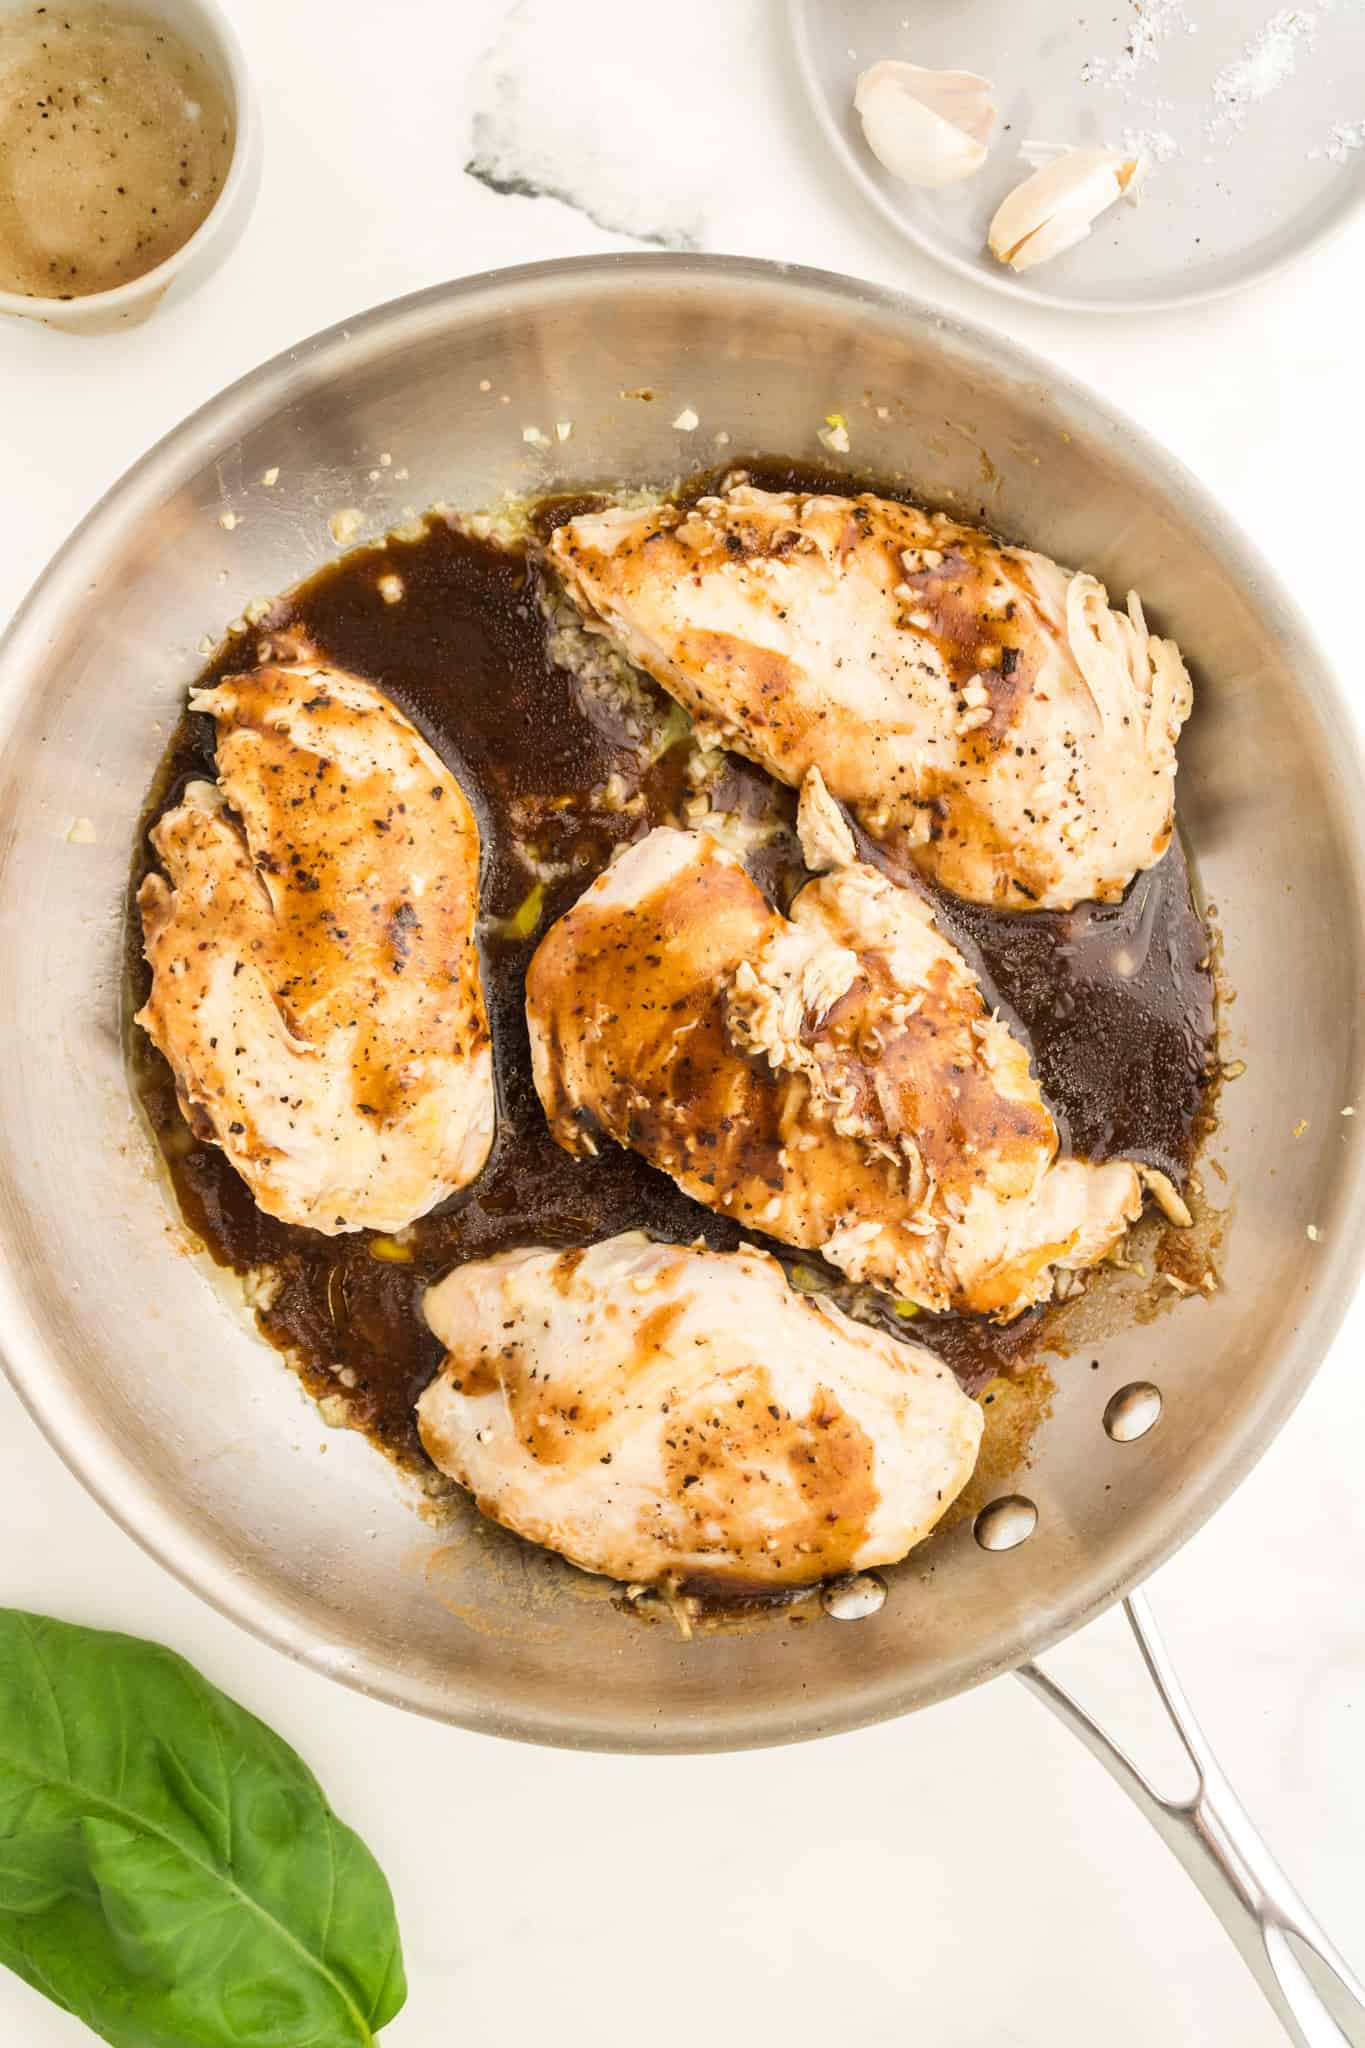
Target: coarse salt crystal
(1157,145)
(1266,62)
(1344,138)
(1154,22)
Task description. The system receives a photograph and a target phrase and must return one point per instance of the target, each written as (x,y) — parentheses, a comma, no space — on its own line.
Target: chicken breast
(315,980)
(662,1414)
(832,1079)
(983,711)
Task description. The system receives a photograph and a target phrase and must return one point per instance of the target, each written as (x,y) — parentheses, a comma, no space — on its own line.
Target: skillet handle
(1319,2000)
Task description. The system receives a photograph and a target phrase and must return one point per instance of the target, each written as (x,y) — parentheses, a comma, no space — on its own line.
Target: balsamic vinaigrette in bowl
(1115,1001)
(115,140)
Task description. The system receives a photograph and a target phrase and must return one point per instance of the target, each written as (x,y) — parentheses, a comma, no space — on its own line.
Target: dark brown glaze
(1117,1002)
(465,656)
(344,880)
(749,1462)
(636,1038)
(828,1454)
(622,959)
(972,811)
(953,1125)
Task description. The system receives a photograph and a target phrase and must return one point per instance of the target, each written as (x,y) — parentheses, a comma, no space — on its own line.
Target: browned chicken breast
(664,1414)
(982,710)
(832,1079)
(315,982)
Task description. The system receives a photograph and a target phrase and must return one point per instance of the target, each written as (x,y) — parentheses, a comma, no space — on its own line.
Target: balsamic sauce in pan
(1116,1001)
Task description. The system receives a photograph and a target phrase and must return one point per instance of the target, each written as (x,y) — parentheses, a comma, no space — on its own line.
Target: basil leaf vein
(170,1870)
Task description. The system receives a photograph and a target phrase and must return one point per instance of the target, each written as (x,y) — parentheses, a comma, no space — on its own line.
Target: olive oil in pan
(1116,1001)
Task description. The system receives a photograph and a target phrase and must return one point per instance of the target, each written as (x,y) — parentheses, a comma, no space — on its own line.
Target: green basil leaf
(170,1871)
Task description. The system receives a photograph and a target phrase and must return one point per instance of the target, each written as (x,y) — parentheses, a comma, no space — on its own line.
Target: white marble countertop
(968,1877)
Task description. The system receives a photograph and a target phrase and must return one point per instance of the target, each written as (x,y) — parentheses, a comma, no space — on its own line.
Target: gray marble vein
(545,127)
(492,168)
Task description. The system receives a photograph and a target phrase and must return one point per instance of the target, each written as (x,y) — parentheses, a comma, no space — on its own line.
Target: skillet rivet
(1006,1523)
(854,1598)
(1132,1411)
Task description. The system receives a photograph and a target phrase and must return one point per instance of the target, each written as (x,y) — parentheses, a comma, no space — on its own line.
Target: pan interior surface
(195,1435)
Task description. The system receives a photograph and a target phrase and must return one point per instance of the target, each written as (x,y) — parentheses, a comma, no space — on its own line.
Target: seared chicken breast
(832,1079)
(315,980)
(984,712)
(661,1414)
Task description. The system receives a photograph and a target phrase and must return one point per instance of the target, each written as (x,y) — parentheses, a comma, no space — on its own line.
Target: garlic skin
(928,128)
(1058,205)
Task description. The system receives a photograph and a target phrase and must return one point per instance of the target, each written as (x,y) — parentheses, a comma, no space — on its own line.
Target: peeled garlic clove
(928,128)
(1057,206)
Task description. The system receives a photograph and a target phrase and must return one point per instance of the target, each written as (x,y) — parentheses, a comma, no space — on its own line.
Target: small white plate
(1247,113)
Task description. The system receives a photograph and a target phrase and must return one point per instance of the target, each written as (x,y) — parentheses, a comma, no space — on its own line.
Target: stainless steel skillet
(162,1401)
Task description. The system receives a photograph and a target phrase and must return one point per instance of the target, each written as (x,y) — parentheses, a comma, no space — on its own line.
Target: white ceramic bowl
(206,28)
